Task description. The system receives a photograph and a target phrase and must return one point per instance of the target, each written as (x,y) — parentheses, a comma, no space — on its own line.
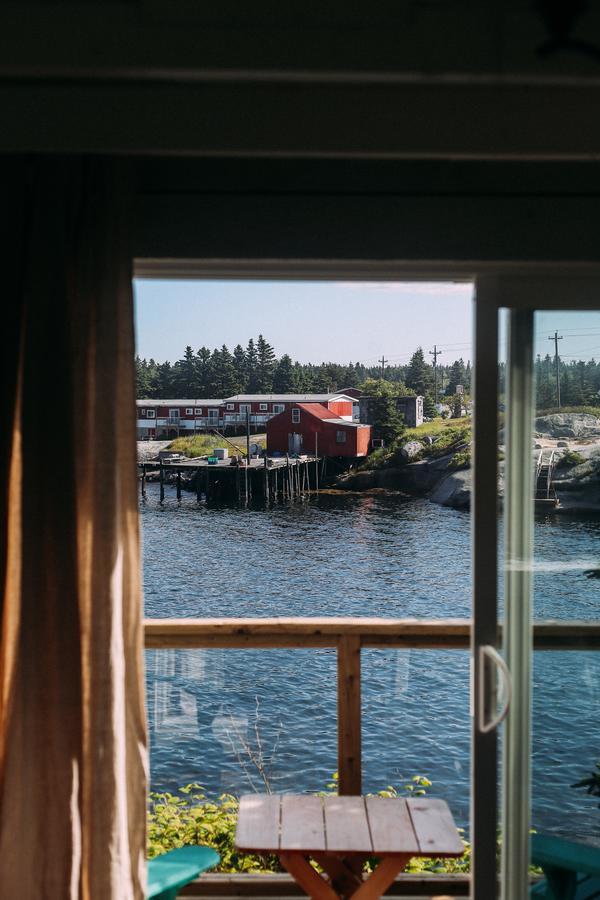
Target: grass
(204,444)
(435,429)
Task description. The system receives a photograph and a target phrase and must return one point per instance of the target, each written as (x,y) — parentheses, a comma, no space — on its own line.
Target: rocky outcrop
(568,425)
(453,490)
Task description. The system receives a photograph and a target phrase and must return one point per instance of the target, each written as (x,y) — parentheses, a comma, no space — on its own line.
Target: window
(263,407)
(142,412)
(231,406)
(189,411)
(150,413)
(340,437)
(295,416)
(278,408)
(173,413)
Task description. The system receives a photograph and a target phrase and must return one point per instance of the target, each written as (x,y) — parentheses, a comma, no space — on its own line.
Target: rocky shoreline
(574,436)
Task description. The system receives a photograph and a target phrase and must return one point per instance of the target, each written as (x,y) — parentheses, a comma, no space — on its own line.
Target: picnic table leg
(309,880)
(345,874)
(379,881)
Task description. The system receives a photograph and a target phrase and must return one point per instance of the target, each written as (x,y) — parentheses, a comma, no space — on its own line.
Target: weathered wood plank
(379,881)
(258,822)
(346,825)
(391,826)
(302,825)
(349,715)
(372,632)
(434,827)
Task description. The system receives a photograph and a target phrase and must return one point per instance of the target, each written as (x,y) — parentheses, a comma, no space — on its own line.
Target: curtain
(73,758)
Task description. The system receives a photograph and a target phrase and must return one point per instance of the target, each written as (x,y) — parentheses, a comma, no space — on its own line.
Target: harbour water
(235,720)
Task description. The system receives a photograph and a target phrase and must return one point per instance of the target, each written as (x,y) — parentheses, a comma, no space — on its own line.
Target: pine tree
(419,376)
(456,376)
(164,380)
(224,378)
(265,365)
(429,410)
(239,364)
(388,423)
(283,377)
(204,373)
(185,375)
(251,368)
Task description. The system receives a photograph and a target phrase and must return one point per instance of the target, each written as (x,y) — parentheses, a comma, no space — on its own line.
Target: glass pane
(415,708)
(242,720)
(567,456)
(566,711)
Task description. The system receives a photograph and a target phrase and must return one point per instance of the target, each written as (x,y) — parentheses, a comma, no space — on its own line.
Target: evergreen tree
(185,375)
(388,423)
(429,410)
(456,376)
(419,376)
(164,380)
(224,378)
(239,364)
(204,373)
(283,377)
(251,368)
(265,368)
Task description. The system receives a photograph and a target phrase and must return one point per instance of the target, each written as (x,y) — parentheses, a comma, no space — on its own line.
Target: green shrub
(190,817)
(461,459)
(569,459)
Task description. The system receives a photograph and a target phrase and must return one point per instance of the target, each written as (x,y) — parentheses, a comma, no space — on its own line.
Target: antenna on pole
(435,353)
(383,361)
(557,337)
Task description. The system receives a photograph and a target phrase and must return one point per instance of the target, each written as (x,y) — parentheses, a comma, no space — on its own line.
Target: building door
(295,443)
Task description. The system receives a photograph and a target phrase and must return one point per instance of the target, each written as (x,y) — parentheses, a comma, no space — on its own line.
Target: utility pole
(383,361)
(557,337)
(435,353)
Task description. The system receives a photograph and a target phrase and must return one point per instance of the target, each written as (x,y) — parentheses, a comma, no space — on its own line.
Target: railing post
(349,724)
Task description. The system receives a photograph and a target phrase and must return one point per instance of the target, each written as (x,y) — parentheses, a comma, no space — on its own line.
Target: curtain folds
(73,758)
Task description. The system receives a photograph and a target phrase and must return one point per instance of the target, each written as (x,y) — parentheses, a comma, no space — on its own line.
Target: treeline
(579,382)
(256,369)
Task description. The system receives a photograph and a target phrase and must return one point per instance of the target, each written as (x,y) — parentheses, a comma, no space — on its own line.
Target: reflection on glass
(242,720)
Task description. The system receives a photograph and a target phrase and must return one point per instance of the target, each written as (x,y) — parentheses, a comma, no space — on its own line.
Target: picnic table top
(275,823)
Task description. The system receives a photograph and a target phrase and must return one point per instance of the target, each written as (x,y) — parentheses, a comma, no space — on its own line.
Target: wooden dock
(269,478)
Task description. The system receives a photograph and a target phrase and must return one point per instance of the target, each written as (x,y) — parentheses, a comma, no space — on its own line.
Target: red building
(306,427)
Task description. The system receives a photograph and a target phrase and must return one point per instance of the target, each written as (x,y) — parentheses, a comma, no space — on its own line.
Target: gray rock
(453,490)
(410,450)
(561,425)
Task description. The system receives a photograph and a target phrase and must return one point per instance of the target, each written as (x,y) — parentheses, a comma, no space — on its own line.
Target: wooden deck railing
(349,636)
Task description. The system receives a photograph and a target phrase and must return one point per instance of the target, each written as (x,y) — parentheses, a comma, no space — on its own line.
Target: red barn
(305,427)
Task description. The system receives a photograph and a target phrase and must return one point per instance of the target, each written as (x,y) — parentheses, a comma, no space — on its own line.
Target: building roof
(160,402)
(286,398)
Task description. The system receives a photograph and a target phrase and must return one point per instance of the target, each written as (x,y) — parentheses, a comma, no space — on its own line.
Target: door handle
(489,653)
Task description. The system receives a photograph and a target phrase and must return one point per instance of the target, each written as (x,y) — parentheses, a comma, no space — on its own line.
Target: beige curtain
(73,754)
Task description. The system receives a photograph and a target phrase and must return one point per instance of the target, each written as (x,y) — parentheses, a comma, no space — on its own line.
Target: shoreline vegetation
(434,460)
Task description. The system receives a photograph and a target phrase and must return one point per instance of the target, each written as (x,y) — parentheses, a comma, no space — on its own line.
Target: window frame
(295,416)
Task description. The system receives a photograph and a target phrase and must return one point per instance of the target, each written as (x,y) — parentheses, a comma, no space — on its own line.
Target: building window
(189,411)
(142,412)
(263,406)
(340,437)
(295,416)
(231,406)
(150,413)
(278,407)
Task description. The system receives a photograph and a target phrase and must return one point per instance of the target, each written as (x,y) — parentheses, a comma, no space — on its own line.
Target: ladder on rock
(545,494)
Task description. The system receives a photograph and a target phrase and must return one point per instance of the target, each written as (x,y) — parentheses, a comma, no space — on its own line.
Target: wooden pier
(269,478)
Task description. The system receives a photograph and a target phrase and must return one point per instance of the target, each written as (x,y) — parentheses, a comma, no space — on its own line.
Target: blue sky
(331,321)
(312,321)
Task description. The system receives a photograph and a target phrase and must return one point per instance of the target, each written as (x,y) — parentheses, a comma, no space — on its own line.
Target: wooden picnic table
(341,833)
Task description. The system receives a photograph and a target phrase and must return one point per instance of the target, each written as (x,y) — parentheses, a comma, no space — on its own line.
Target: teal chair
(572,870)
(168,873)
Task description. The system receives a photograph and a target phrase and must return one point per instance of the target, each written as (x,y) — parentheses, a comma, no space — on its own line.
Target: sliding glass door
(538,423)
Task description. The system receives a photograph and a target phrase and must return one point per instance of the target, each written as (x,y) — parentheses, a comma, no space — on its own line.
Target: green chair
(173,870)
(572,870)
